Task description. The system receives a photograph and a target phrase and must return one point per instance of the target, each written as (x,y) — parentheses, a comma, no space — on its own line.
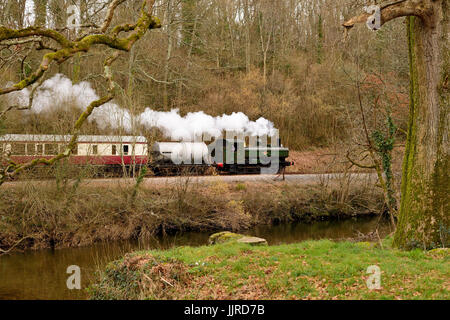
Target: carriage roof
(66,138)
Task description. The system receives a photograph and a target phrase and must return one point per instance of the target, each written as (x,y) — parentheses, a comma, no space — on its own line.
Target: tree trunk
(168,21)
(320,40)
(424,210)
(247,37)
(40,10)
(187,11)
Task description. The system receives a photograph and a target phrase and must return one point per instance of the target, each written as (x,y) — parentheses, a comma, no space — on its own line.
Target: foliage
(384,145)
(139,180)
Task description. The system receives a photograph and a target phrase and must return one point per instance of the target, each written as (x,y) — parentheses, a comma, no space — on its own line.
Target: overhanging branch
(13,169)
(109,15)
(392,10)
(69,48)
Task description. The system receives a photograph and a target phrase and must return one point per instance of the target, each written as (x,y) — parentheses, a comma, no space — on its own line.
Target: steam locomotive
(113,153)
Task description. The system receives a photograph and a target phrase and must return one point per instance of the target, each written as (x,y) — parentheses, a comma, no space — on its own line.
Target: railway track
(301,179)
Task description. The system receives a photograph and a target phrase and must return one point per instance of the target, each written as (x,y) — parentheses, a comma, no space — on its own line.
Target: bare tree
(266,30)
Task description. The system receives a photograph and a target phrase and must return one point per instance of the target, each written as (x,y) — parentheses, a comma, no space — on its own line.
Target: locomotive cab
(234,156)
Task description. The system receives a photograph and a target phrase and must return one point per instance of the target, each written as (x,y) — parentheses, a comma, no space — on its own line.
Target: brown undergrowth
(73,214)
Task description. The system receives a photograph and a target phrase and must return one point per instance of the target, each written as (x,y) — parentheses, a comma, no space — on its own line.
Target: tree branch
(14,169)
(8,34)
(35,86)
(69,48)
(392,10)
(109,15)
(4,252)
(18,42)
(353,162)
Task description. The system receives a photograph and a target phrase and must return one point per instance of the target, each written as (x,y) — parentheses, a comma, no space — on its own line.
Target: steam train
(113,153)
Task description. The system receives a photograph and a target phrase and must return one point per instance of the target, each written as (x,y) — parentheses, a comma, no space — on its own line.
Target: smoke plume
(59,93)
(176,127)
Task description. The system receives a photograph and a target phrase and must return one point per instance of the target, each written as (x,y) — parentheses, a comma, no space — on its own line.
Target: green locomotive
(234,156)
(231,156)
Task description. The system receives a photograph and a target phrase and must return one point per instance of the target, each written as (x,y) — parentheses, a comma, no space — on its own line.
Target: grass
(308,270)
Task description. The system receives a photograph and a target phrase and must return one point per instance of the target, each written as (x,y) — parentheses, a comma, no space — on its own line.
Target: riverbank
(69,214)
(307,270)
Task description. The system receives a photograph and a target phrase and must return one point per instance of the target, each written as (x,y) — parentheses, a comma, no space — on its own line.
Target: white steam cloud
(186,128)
(59,93)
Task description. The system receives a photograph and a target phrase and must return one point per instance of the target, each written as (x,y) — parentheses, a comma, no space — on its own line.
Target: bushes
(81,214)
(140,277)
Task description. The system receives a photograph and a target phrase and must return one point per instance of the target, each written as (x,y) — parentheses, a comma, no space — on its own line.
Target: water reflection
(336,230)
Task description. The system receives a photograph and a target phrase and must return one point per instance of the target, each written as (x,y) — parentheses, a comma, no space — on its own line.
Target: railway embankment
(68,213)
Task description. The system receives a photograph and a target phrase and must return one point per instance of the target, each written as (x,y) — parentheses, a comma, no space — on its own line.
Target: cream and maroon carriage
(110,152)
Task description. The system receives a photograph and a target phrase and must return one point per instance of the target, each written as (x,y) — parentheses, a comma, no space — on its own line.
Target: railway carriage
(111,152)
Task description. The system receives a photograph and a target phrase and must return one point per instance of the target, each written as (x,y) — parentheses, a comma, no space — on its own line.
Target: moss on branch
(8,34)
(69,48)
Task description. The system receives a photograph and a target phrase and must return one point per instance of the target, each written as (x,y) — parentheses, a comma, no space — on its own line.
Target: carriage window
(94,149)
(125,150)
(51,149)
(114,149)
(39,148)
(18,149)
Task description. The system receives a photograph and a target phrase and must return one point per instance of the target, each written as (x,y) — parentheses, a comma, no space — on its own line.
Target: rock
(222,237)
(226,236)
(254,241)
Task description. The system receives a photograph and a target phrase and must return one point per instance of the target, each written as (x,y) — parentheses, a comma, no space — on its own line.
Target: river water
(42,274)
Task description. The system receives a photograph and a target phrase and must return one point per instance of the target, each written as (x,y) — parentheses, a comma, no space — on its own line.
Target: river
(42,274)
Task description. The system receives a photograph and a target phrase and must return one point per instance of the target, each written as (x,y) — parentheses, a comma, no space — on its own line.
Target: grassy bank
(307,270)
(64,214)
